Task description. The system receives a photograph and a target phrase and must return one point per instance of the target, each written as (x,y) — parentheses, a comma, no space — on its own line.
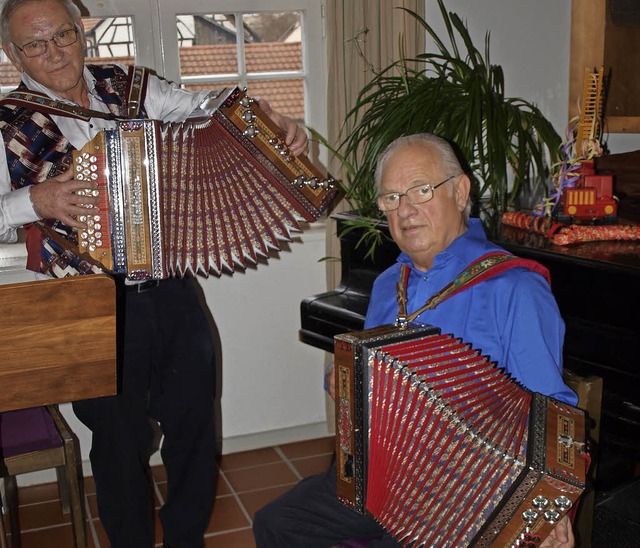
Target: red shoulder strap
(481,269)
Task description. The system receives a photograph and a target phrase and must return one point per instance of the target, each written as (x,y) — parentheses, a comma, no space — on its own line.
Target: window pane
(110,40)
(276,44)
(215,53)
(207,44)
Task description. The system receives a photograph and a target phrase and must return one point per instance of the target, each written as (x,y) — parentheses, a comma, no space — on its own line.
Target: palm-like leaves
(455,93)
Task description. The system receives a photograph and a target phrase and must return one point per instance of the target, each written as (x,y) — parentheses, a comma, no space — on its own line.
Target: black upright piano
(596,285)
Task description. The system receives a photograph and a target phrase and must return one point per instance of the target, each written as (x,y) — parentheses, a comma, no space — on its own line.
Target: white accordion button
(540,503)
(562,502)
(530,516)
(552,516)
(251,131)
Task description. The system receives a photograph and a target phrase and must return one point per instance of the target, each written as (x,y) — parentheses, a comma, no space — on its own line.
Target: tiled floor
(247,481)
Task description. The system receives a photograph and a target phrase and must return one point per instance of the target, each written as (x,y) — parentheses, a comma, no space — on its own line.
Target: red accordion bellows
(208,195)
(443,448)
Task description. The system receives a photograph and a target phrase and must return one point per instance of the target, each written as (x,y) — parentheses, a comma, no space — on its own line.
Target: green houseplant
(455,93)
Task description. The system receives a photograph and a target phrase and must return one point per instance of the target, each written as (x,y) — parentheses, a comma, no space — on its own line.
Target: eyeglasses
(418,194)
(62,39)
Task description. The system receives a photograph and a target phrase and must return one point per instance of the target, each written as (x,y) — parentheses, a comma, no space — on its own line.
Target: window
(277,54)
(261,51)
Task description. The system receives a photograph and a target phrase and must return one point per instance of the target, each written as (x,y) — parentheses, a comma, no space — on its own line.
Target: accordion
(208,195)
(443,448)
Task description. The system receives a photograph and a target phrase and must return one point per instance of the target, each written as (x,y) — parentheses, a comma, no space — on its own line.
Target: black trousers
(311,516)
(167,375)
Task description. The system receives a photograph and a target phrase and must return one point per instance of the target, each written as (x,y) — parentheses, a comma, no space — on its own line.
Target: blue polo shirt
(513,317)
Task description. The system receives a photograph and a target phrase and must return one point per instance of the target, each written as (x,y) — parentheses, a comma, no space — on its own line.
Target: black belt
(142,286)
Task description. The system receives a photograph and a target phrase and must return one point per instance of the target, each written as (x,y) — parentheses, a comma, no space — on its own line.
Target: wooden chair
(35,439)
(589,390)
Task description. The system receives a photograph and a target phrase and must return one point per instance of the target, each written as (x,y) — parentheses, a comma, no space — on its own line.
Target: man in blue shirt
(511,317)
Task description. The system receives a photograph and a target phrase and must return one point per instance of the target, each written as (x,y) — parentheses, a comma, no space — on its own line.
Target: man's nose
(54,51)
(404,205)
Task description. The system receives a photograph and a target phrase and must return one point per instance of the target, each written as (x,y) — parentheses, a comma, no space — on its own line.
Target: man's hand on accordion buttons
(561,536)
(58,198)
(295,137)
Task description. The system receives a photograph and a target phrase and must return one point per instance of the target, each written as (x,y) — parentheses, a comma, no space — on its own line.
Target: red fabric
(34,245)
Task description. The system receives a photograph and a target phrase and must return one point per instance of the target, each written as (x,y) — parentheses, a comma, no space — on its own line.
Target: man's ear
(10,52)
(462,190)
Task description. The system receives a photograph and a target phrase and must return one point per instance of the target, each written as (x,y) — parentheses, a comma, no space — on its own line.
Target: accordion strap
(34,100)
(481,269)
(40,102)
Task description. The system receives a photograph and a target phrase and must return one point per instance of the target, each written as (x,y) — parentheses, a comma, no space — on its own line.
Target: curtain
(362,36)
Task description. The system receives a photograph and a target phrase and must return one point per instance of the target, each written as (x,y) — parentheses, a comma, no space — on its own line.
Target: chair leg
(12,506)
(73,484)
(63,489)
(75,495)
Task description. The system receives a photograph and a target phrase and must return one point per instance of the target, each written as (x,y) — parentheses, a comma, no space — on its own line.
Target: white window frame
(154,29)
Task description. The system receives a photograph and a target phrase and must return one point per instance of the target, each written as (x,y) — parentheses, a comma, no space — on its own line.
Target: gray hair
(450,163)
(10,6)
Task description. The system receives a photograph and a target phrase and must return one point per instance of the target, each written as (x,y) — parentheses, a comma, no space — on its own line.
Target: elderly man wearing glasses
(511,316)
(166,347)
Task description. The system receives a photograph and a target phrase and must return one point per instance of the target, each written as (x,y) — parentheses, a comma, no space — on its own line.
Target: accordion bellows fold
(204,196)
(443,448)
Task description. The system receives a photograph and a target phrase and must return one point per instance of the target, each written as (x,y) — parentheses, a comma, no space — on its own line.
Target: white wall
(531,41)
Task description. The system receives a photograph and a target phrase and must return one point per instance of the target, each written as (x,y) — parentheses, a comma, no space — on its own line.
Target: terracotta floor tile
(222,486)
(308,448)
(235,539)
(44,514)
(311,466)
(247,459)
(159,472)
(103,539)
(89,485)
(259,477)
(58,537)
(38,493)
(227,514)
(254,500)
(93,505)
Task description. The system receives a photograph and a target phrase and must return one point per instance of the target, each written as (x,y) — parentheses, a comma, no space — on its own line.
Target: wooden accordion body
(443,448)
(208,195)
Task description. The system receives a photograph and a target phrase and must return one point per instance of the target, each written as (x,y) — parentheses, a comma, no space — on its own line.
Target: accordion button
(540,503)
(552,516)
(562,502)
(530,516)
(251,131)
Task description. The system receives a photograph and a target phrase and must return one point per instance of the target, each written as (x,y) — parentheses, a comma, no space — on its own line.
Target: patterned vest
(36,150)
